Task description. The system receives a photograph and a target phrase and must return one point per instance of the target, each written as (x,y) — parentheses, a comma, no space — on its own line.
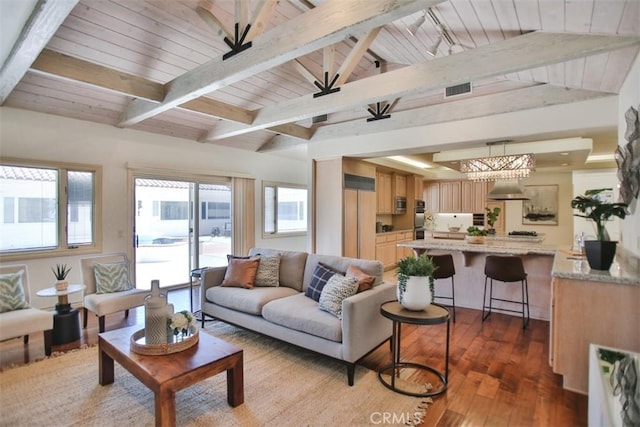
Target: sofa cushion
(112,277)
(12,296)
(292,265)
(321,276)
(268,271)
(241,272)
(247,300)
(365,281)
(335,291)
(371,267)
(302,314)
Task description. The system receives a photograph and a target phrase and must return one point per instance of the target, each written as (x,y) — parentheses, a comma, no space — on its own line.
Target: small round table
(66,319)
(433,315)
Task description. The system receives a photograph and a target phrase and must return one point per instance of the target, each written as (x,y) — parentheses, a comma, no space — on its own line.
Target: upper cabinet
(419,188)
(474,196)
(432,196)
(384,198)
(399,185)
(450,192)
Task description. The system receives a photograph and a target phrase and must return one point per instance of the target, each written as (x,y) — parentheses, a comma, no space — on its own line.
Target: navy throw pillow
(321,276)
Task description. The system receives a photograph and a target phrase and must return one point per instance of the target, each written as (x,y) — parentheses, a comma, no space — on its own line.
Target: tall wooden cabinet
(384,193)
(359,239)
(450,192)
(345,208)
(473,196)
(432,196)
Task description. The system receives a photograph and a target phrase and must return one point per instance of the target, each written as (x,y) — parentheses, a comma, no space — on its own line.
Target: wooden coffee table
(167,374)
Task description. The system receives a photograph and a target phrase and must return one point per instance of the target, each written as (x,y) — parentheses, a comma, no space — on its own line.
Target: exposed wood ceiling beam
(356,54)
(44,21)
(462,109)
(204,12)
(322,26)
(61,65)
(524,52)
(262,16)
(304,72)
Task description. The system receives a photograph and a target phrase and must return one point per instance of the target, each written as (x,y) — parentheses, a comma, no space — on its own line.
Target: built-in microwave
(400,205)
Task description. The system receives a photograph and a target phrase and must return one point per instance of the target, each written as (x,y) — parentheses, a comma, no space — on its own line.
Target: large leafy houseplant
(600,252)
(592,207)
(409,268)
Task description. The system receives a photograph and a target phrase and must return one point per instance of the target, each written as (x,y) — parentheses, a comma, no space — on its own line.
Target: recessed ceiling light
(408,161)
(565,164)
(600,157)
(564,154)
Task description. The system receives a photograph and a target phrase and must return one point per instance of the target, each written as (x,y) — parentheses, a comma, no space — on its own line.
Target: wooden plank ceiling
(159,65)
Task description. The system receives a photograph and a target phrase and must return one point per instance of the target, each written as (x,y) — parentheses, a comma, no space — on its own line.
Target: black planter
(600,253)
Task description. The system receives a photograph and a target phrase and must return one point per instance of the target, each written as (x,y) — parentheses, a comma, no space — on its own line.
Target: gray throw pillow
(12,295)
(112,277)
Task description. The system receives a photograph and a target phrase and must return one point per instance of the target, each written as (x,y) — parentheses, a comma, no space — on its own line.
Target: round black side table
(433,315)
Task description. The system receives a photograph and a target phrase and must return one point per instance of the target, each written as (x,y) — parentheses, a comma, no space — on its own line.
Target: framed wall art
(542,206)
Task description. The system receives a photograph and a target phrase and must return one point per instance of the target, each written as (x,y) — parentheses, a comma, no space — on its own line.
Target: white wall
(630,96)
(29,135)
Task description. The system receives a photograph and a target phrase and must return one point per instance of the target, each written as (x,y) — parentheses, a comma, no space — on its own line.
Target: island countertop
(625,269)
(505,247)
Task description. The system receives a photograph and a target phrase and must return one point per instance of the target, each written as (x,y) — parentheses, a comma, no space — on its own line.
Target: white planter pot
(416,296)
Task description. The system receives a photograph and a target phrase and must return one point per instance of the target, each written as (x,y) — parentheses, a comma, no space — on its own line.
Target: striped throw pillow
(12,295)
(112,277)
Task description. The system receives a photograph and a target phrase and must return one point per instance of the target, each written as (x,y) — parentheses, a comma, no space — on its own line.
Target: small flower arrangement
(182,322)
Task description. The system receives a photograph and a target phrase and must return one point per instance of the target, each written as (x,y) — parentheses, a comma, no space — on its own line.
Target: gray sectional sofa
(286,313)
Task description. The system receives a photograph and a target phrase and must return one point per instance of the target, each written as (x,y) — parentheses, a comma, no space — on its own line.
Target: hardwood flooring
(499,375)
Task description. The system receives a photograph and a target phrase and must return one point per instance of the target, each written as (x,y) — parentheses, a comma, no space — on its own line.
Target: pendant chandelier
(498,168)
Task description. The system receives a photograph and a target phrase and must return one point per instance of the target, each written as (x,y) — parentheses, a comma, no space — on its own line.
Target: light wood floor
(499,375)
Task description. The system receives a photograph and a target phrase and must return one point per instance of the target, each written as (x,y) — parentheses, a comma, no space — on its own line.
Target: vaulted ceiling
(271,74)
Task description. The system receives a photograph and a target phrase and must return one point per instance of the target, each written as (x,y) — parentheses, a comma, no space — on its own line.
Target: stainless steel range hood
(507,190)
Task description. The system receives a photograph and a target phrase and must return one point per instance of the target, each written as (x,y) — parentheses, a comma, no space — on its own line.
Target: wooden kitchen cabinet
(399,184)
(386,250)
(450,193)
(473,196)
(584,312)
(432,196)
(384,196)
(419,188)
(402,237)
(359,224)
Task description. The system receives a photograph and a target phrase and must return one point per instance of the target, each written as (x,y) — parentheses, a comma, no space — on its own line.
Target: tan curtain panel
(244,215)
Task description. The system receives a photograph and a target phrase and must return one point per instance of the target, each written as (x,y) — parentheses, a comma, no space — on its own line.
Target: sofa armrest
(211,276)
(363,327)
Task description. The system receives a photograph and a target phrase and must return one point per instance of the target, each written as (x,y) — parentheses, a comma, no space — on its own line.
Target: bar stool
(445,270)
(506,269)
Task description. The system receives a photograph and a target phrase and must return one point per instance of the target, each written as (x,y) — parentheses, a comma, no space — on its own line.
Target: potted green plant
(60,272)
(415,282)
(492,217)
(600,252)
(475,235)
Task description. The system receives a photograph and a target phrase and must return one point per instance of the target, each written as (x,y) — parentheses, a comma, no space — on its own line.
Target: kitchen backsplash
(442,221)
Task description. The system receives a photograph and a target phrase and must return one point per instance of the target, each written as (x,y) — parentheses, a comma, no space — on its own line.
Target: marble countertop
(625,269)
(506,247)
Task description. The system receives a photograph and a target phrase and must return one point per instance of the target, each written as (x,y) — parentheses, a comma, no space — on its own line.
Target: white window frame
(277,233)
(63,248)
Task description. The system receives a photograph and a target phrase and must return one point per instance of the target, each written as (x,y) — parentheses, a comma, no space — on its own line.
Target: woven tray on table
(137,346)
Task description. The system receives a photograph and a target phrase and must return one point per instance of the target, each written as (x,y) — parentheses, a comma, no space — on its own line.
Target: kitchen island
(592,306)
(469,259)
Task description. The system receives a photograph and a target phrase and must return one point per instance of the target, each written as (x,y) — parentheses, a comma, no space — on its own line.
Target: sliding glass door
(179,226)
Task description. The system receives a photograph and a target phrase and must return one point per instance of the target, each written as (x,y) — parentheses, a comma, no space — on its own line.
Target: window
(47,208)
(285,209)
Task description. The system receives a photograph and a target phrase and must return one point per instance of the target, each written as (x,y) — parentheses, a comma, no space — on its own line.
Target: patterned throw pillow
(365,281)
(321,276)
(335,291)
(240,273)
(268,271)
(11,292)
(112,277)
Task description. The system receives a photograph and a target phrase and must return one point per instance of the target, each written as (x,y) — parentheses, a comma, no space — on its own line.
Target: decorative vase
(155,315)
(414,294)
(600,253)
(61,285)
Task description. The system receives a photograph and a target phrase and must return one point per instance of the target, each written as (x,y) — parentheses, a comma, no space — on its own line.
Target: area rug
(283,385)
